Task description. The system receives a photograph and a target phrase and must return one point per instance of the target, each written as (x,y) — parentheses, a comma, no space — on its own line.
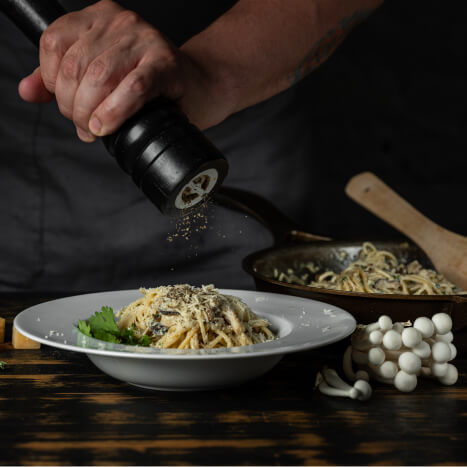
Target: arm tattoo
(326,45)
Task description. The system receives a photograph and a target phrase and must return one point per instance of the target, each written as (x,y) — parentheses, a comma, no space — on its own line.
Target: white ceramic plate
(301,323)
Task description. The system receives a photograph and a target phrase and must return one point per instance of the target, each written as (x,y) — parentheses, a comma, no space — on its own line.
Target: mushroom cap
(392,340)
(451,375)
(388,369)
(364,389)
(409,362)
(441,352)
(411,337)
(448,337)
(439,369)
(453,349)
(442,323)
(425,326)
(405,382)
(376,337)
(422,350)
(376,356)
(385,322)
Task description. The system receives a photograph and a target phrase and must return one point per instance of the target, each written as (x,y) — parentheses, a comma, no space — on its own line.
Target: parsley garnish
(2,365)
(102,326)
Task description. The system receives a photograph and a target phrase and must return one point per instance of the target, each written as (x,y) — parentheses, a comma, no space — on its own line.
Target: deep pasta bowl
(300,324)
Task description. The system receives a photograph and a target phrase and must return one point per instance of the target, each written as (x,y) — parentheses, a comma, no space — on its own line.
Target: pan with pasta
(374,271)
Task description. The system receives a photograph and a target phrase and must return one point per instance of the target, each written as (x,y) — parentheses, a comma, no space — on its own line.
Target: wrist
(211,87)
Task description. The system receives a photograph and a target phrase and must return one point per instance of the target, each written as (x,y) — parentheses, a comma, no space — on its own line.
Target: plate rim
(126,351)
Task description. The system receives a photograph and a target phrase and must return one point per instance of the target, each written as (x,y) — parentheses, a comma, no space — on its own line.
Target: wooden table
(57,408)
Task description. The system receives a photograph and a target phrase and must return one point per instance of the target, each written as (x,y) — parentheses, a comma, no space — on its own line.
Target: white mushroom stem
(360,358)
(348,369)
(332,378)
(332,385)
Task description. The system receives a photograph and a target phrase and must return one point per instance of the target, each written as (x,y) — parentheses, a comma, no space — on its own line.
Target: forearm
(260,48)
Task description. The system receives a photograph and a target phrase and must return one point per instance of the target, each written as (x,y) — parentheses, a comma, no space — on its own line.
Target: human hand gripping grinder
(172,162)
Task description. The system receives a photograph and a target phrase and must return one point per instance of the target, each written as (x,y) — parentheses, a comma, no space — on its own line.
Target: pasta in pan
(375,271)
(186,317)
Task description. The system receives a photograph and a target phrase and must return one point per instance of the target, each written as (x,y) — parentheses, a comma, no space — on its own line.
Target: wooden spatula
(447,250)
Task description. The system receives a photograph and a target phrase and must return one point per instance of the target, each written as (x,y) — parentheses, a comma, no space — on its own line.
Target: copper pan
(292,246)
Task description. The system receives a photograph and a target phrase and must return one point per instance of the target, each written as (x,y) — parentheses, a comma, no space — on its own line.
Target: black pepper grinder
(173,163)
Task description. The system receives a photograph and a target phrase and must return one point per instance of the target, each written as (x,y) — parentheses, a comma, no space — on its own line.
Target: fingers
(102,64)
(54,43)
(32,88)
(102,76)
(148,80)
(73,67)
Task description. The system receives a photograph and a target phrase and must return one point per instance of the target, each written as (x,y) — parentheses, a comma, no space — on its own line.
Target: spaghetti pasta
(186,317)
(375,271)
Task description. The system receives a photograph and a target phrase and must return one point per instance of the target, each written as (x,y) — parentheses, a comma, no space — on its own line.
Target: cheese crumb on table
(21,342)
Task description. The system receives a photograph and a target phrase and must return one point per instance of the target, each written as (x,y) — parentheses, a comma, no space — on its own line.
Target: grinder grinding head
(173,163)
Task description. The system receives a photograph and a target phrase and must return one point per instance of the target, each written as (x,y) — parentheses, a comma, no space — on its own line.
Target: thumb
(32,89)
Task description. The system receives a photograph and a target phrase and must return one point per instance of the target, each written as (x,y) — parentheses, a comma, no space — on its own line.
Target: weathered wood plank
(56,408)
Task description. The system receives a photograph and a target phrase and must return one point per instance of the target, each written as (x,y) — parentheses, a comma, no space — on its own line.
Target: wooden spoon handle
(373,194)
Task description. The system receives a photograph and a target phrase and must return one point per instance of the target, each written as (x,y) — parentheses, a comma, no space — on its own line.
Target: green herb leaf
(104,321)
(2,365)
(102,325)
(144,341)
(84,327)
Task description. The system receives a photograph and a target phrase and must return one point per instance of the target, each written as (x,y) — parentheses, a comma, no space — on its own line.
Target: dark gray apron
(72,220)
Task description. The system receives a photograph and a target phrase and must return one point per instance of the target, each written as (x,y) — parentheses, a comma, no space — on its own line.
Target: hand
(103,63)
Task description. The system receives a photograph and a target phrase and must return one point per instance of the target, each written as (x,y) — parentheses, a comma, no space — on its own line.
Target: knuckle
(98,71)
(70,67)
(162,58)
(138,84)
(127,18)
(50,41)
(151,35)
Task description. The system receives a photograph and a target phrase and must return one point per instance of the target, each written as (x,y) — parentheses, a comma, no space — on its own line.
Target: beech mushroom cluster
(397,353)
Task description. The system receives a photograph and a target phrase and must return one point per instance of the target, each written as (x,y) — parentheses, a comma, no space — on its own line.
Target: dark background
(391,100)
